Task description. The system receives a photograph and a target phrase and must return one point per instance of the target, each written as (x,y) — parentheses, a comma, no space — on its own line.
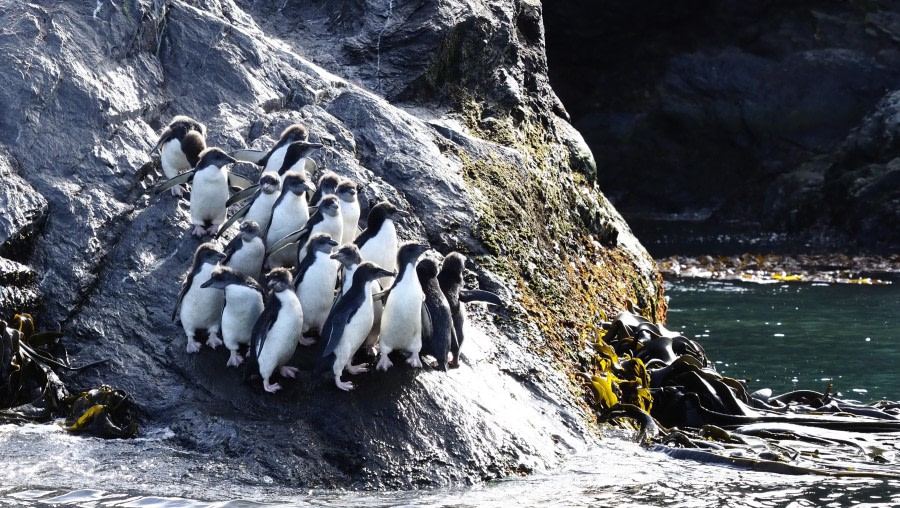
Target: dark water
(796,336)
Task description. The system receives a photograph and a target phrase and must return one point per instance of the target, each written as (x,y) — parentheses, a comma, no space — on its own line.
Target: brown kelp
(663,384)
(31,391)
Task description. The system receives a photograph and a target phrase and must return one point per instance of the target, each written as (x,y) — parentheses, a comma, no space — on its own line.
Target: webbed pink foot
(357,369)
(235,359)
(177,191)
(306,341)
(193,346)
(343,385)
(414,361)
(213,341)
(271,388)
(198,230)
(384,363)
(212,230)
(286,371)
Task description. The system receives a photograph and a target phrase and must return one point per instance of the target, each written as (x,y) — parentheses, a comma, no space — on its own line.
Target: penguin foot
(414,361)
(235,359)
(286,371)
(213,341)
(177,191)
(198,230)
(384,363)
(357,369)
(306,341)
(193,346)
(270,388)
(212,230)
(343,385)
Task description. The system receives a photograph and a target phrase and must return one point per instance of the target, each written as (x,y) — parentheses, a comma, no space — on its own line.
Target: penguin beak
(333,244)
(311,187)
(220,256)
(386,273)
(401,213)
(208,283)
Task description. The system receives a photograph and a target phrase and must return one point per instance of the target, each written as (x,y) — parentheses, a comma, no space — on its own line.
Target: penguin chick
(246,251)
(451,281)
(347,325)
(347,193)
(179,145)
(378,243)
(314,283)
(328,184)
(259,208)
(277,331)
(199,307)
(210,191)
(289,214)
(243,306)
(401,322)
(437,321)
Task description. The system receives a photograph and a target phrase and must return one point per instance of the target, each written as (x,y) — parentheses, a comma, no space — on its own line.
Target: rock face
(733,111)
(444,109)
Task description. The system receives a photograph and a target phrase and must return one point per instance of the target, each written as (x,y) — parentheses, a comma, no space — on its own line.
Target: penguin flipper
(427,331)
(184,290)
(287,240)
(231,220)
(242,195)
(333,329)
(231,248)
(477,295)
(235,180)
(248,155)
(185,177)
(165,136)
(310,166)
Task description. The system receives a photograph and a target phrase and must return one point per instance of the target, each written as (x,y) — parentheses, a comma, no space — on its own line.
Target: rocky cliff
(444,108)
(734,111)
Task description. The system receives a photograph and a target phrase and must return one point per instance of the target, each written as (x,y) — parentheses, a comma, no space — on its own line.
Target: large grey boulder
(86,91)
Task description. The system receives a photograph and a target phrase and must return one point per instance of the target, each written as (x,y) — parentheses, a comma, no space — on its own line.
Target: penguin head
(453,266)
(409,252)
(279,279)
(223,276)
(270,182)
(214,157)
(207,253)
(305,147)
(296,182)
(249,230)
(328,182)
(184,123)
(427,268)
(346,191)
(295,132)
(329,205)
(384,211)
(369,271)
(348,255)
(321,242)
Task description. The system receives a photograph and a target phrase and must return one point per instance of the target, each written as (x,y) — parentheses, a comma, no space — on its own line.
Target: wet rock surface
(725,112)
(87,91)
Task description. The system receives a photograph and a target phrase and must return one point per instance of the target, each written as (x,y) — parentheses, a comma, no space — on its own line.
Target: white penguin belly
(291,215)
(209,193)
(201,307)
(316,292)
(261,210)
(172,159)
(276,160)
(382,248)
(401,321)
(281,340)
(249,259)
(350,213)
(242,308)
(354,334)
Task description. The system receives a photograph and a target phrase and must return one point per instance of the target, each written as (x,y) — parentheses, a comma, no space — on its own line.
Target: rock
(485,164)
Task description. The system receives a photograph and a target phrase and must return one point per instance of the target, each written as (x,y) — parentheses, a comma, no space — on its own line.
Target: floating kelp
(770,268)
(30,391)
(664,384)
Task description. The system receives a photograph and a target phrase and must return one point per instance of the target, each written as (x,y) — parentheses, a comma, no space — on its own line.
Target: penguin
(314,282)
(259,208)
(327,219)
(378,243)
(347,325)
(450,278)
(437,320)
(273,160)
(199,307)
(289,214)
(243,306)
(401,322)
(277,331)
(296,158)
(328,184)
(346,192)
(179,145)
(246,251)
(349,257)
